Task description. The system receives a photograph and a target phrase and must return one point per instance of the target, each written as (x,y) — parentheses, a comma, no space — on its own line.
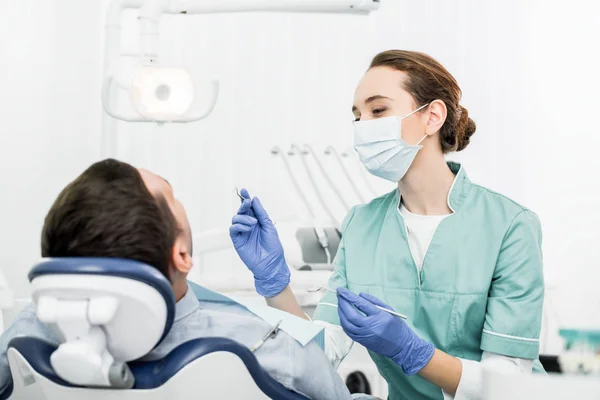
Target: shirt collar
(458,191)
(187,305)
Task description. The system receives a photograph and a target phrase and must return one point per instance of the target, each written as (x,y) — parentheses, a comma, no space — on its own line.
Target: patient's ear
(180,256)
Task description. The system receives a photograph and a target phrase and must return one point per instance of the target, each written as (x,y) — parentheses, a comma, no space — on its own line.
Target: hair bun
(465,128)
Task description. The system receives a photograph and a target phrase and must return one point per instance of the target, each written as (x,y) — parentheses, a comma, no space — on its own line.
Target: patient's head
(115,210)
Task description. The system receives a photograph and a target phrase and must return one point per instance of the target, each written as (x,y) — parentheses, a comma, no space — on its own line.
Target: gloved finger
(375,300)
(239,228)
(346,293)
(362,304)
(245,194)
(351,330)
(260,212)
(244,220)
(350,313)
(348,326)
(245,207)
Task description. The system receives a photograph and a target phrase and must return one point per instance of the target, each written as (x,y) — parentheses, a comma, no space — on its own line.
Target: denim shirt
(305,370)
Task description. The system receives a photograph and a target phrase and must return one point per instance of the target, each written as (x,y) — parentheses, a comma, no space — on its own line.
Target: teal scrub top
(480,288)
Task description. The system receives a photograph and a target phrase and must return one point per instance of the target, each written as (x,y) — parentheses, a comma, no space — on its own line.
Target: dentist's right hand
(257,243)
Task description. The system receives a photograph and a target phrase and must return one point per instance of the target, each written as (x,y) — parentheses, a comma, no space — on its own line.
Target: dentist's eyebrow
(372,99)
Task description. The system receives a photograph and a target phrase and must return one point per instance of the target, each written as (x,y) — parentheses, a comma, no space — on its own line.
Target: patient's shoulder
(26,323)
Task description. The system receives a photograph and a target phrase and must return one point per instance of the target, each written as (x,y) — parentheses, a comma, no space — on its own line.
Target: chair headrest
(107,267)
(105,312)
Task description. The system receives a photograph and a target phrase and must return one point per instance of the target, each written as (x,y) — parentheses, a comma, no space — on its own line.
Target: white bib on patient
(303,331)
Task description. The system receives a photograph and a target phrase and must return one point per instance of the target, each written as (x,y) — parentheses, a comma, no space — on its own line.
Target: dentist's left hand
(382,332)
(257,243)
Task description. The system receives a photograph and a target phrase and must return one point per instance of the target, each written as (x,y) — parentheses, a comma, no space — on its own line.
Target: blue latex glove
(382,332)
(256,241)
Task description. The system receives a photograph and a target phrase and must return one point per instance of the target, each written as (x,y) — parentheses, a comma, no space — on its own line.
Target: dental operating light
(140,88)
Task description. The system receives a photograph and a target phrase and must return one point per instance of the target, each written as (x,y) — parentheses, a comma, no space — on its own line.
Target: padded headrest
(111,267)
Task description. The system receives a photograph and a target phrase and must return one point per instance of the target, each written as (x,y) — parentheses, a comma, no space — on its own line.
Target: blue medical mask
(381,149)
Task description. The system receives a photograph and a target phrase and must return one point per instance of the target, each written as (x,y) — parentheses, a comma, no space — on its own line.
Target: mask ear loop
(419,142)
(418,109)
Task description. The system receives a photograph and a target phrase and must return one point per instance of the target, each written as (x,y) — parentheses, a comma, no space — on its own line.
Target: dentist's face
(380,94)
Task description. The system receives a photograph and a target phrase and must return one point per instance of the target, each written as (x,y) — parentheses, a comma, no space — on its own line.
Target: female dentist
(462,262)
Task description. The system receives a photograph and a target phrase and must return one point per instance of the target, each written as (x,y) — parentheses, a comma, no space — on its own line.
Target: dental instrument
(313,182)
(239,195)
(271,334)
(332,150)
(318,289)
(242,198)
(327,177)
(323,238)
(319,231)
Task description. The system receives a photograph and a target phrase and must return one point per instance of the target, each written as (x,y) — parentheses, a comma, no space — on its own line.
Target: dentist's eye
(379,111)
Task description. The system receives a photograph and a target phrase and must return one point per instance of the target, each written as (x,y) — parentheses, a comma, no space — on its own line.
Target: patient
(116,210)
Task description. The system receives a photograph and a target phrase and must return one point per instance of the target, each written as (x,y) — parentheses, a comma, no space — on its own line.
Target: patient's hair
(108,212)
(427,81)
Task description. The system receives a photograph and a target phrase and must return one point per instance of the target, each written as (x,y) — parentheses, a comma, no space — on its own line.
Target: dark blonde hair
(427,81)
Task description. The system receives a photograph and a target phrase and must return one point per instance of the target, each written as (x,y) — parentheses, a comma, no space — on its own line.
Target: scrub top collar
(458,191)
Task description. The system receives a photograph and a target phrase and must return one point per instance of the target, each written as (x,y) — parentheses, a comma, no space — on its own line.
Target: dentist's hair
(427,81)
(107,211)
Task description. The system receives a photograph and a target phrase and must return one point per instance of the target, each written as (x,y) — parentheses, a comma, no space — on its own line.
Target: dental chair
(109,313)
